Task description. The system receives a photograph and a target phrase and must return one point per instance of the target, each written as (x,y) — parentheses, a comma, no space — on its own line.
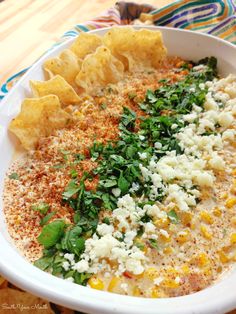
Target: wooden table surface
(29,27)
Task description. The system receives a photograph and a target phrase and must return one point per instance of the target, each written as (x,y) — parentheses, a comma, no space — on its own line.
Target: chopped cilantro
(106,220)
(46,218)
(41,207)
(132,95)
(14,176)
(73,173)
(103,106)
(173,216)
(51,233)
(153,243)
(71,189)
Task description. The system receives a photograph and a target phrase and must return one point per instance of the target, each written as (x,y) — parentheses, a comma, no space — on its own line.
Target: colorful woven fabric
(216,17)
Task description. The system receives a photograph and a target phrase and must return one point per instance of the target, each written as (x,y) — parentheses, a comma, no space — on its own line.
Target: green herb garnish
(14,176)
(41,207)
(173,216)
(51,233)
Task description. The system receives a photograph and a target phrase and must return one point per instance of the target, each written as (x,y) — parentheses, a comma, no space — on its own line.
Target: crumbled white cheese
(104,229)
(81,266)
(116,192)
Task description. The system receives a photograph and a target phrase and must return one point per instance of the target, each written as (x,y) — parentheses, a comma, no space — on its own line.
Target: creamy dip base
(192,254)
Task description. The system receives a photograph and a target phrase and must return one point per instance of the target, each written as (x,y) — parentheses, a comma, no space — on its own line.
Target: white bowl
(219,298)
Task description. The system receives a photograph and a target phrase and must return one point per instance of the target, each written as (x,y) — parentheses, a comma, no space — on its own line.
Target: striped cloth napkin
(215,17)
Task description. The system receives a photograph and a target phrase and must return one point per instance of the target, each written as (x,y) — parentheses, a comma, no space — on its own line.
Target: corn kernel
(155,292)
(230,202)
(233,189)
(233,238)
(113,283)
(205,233)
(185,269)
(217,212)
(207,271)
(161,222)
(96,283)
(224,195)
(168,250)
(192,226)
(165,238)
(183,236)
(202,260)
(186,218)
(136,291)
(233,221)
(223,257)
(234,172)
(151,273)
(206,217)
(170,283)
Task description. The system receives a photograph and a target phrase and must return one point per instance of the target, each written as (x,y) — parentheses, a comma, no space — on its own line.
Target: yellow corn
(185,269)
(155,292)
(223,257)
(161,222)
(168,250)
(206,217)
(205,233)
(233,189)
(113,283)
(224,195)
(165,238)
(183,236)
(192,226)
(230,202)
(217,212)
(96,283)
(151,273)
(170,283)
(186,218)
(233,238)
(233,221)
(207,271)
(234,172)
(203,260)
(136,291)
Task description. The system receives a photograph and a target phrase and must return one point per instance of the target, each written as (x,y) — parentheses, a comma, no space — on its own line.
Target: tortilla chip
(39,117)
(56,86)
(66,65)
(18,302)
(136,48)
(85,44)
(98,70)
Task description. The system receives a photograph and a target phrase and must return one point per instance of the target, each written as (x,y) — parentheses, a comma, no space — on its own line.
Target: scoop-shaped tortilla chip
(98,70)
(136,48)
(66,65)
(39,117)
(85,44)
(56,86)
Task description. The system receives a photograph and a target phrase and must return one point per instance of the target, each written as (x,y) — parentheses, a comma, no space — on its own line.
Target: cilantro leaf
(44,262)
(51,233)
(14,176)
(41,207)
(71,189)
(172,215)
(46,218)
(72,241)
(153,243)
